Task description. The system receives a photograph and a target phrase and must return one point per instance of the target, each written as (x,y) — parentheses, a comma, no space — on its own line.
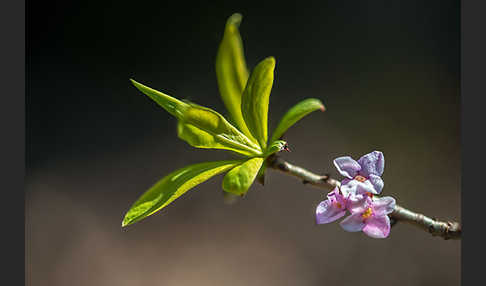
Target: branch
(446,230)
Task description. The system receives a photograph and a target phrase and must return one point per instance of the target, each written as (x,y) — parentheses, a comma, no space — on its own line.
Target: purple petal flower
(327,212)
(384,205)
(331,209)
(353,223)
(377,226)
(357,203)
(372,163)
(362,176)
(348,186)
(377,182)
(347,166)
(371,218)
(359,186)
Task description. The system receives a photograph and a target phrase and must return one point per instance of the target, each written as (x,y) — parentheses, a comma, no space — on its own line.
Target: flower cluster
(356,195)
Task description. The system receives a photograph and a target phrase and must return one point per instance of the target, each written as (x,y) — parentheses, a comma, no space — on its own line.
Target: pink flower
(362,176)
(331,209)
(356,195)
(371,217)
(336,206)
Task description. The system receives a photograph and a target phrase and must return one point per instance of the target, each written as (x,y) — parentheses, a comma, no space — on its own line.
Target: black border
(12,122)
(473,65)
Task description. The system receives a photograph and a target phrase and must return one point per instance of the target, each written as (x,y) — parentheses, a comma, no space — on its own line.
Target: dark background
(387,71)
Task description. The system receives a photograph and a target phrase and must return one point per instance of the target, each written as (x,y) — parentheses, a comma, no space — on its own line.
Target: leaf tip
(235,19)
(128,220)
(270,60)
(318,102)
(135,83)
(125,222)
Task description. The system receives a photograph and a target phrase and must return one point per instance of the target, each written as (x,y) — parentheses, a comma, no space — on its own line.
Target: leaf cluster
(246,97)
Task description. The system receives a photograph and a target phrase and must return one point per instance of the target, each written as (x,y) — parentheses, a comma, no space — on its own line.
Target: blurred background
(387,71)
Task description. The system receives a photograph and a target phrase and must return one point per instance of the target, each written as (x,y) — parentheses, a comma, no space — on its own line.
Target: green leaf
(239,179)
(296,113)
(202,127)
(169,103)
(276,146)
(173,186)
(254,103)
(231,71)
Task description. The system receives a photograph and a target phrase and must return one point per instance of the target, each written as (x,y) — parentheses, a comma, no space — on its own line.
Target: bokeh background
(387,71)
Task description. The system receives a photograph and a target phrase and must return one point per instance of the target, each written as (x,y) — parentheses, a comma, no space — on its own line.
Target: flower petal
(347,166)
(353,223)
(377,226)
(336,196)
(372,163)
(377,183)
(327,212)
(353,187)
(348,187)
(384,205)
(365,187)
(334,193)
(358,203)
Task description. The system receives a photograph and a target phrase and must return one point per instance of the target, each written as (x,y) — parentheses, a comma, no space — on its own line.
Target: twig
(446,230)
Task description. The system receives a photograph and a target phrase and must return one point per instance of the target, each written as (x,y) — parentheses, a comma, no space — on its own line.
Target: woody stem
(446,230)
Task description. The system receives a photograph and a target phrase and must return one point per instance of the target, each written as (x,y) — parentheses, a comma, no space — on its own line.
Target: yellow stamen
(367,213)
